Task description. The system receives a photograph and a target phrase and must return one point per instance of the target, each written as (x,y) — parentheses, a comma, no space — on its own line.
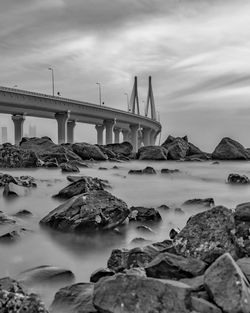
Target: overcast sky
(197,51)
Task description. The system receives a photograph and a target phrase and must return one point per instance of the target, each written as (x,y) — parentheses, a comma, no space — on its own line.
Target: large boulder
(242,227)
(238,179)
(227,285)
(12,189)
(120,149)
(134,293)
(142,214)
(207,235)
(177,149)
(229,149)
(152,153)
(87,151)
(91,211)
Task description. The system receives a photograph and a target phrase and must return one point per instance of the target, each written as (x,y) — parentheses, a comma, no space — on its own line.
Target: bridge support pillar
(109,125)
(125,134)
(117,134)
(153,135)
(18,127)
(70,131)
(134,137)
(99,129)
(146,136)
(62,119)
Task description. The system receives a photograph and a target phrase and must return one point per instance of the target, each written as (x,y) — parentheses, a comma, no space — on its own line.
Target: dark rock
(102,168)
(115,167)
(237,179)
(170,266)
(164,207)
(11,285)
(12,189)
(25,181)
(92,211)
(173,233)
(207,235)
(135,271)
(178,211)
(69,168)
(177,149)
(146,170)
(227,285)
(99,273)
(10,236)
(145,229)
(85,184)
(215,163)
(152,153)
(169,171)
(51,164)
(140,241)
(141,214)
(242,212)
(244,264)
(87,151)
(201,305)
(242,227)
(207,202)
(118,259)
(77,298)
(229,149)
(125,148)
(22,213)
(133,293)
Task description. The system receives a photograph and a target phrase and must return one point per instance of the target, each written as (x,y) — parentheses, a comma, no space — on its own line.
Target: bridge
(134,127)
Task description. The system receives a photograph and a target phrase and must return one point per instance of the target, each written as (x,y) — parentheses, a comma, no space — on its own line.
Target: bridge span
(67,112)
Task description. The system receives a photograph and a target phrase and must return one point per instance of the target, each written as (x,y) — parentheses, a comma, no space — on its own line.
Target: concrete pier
(146,132)
(70,131)
(117,135)
(99,129)
(134,136)
(153,135)
(18,120)
(62,119)
(109,125)
(125,134)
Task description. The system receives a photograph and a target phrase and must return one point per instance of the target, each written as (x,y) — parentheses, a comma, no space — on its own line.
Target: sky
(197,52)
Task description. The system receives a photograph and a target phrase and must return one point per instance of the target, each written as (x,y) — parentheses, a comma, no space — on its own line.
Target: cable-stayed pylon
(150,100)
(134,99)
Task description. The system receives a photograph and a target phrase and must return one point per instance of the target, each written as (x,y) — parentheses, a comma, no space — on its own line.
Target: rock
(76,298)
(133,293)
(242,228)
(196,283)
(82,185)
(169,171)
(146,170)
(25,181)
(118,260)
(215,163)
(4,219)
(152,153)
(11,285)
(46,274)
(170,266)
(163,207)
(51,164)
(115,167)
(10,236)
(177,149)
(87,151)
(92,211)
(12,189)
(201,305)
(207,202)
(173,233)
(135,271)
(207,235)
(237,179)
(141,214)
(227,285)
(244,264)
(99,273)
(229,149)
(242,212)
(69,168)
(178,211)
(15,157)
(145,229)
(139,241)
(125,148)
(102,168)
(22,213)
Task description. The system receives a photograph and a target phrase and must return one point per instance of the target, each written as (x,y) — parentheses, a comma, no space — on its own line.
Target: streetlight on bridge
(126,94)
(100,92)
(53,80)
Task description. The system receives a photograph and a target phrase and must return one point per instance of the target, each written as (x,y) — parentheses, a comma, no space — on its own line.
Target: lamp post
(53,80)
(100,92)
(127,101)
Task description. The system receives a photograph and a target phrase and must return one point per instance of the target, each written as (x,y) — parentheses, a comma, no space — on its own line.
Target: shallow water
(83,254)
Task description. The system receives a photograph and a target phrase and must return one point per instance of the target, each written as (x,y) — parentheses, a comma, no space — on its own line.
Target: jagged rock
(152,153)
(146,170)
(142,214)
(207,202)
(201,305)
(133,293)
(177,149)
(207,235)
(229,149)
(170,266)
(99,273)
(125,148)
(81,185)
(77,298)
(237,179)
(87,151)
(227,285)
(69,168)
(12,189)
(25,181)
(91,211)
(173,233)
(242,227)
(169,171)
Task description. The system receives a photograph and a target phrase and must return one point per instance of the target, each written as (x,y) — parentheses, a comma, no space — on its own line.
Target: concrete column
(125,134)
(152,137)
(62,119)
(70,131)
(18,127)
(117,134)
(134,137)
(99,129)
(146,136)
(109,125)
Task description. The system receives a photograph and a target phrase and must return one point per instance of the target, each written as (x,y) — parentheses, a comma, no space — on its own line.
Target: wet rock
(207,235)
(22,213)
(77,298)
(201,305)
(170,266)
(227,285)
(13,190)
(163,207)
(99,273)
(229,149)
(69,168)
(177,149)
(118,259)
(207,202)
(173,233)
(133,293)
(92,211)
(142,214)
(169,171)
(120,149)
(238,179)
(152,153)
(46,274)
(145,229)
(87,151)
(146,170)
(25,181)
(81,185)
